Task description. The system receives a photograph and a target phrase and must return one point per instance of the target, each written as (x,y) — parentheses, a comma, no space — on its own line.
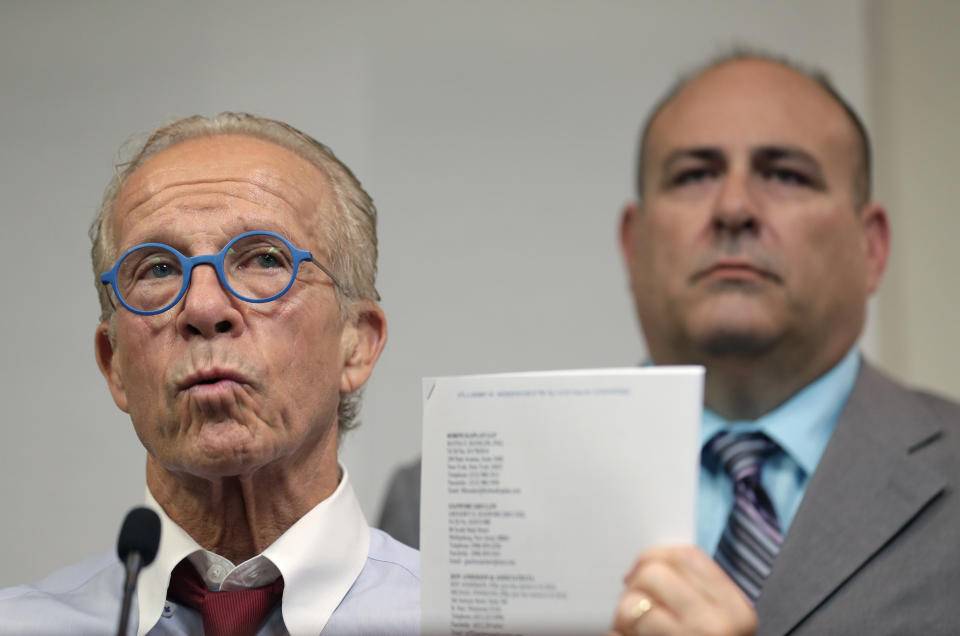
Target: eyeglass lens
(256,267)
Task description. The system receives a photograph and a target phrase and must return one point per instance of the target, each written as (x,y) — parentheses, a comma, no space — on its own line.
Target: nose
(208,308)
(736,210)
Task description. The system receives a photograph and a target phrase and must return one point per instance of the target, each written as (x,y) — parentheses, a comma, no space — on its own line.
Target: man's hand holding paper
(681,590)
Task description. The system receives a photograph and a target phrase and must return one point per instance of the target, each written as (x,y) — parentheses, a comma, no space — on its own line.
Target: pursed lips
(207,377)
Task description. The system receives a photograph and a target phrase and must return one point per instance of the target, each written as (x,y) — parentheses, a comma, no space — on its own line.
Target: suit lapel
(866,488)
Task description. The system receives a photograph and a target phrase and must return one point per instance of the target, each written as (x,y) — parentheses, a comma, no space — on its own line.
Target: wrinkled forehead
(750,104)
(228,170)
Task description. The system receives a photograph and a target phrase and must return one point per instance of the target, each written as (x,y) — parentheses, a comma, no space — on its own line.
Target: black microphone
(137,548)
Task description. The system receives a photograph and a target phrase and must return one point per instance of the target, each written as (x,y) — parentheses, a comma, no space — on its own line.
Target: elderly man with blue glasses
(235,258)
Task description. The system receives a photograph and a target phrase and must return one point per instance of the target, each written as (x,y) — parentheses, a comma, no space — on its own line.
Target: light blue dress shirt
(801,426)
(341,577)
(84,600)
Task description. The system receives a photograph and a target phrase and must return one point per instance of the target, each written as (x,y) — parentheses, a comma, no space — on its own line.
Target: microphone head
(140,533)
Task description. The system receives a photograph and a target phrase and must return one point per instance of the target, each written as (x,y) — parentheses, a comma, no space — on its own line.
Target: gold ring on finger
(642,607)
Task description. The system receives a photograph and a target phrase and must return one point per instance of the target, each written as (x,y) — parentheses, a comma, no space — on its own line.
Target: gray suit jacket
(875,545)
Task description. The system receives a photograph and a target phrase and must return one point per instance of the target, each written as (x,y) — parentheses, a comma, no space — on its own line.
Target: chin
(736,343)
(227,448)
(733,325)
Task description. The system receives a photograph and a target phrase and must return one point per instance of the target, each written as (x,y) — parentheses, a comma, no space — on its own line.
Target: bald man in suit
(752,249)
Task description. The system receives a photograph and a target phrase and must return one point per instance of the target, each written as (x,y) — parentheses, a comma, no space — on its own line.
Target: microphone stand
(132,566)
(137,547)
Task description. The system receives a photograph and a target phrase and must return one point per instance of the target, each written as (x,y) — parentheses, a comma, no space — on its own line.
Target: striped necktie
(752,538)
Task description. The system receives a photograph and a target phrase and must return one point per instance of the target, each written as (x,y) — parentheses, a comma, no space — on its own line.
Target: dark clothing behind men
(400,517)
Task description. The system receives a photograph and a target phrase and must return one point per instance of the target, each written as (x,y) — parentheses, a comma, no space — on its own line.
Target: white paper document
(540,489)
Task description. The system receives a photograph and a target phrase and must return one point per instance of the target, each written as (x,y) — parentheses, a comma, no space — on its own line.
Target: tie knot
(231,613)
(740,455)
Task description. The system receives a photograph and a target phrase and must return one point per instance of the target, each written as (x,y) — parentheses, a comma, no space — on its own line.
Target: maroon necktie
(231,613)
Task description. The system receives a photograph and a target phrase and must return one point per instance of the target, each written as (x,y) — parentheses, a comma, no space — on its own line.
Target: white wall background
(914,91)
(496,137)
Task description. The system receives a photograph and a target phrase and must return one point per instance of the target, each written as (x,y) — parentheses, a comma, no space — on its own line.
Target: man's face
(216,386)
(747,239)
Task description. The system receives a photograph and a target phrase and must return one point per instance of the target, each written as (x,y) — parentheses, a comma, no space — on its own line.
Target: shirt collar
(319,557)
(802,425)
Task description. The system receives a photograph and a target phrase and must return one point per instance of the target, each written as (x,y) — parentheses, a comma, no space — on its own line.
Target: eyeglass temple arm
(329,274)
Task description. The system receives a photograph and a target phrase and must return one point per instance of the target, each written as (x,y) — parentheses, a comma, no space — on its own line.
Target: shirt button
(167,610)
(216,573)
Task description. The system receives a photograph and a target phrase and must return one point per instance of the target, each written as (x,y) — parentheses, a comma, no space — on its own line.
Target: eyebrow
(178,241)
(714,155)
(704,153)
(770,154)
(774,153)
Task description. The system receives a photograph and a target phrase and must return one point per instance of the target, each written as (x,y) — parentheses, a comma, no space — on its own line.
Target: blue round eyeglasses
(256,267)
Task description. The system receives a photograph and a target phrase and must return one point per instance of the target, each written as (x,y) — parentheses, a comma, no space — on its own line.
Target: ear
(362,341)
(876,233)
(629,221)
(104,348)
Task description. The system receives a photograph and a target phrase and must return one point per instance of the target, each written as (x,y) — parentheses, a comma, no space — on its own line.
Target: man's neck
(238,517)
(739,389)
